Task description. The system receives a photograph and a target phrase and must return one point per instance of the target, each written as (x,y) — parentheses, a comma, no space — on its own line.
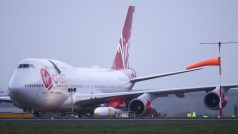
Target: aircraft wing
(137,79)
(5,99)
(86,99)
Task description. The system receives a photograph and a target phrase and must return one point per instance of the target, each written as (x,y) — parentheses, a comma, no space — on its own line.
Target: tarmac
(121,121)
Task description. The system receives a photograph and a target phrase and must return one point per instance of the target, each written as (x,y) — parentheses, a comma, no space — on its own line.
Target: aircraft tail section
(122,55)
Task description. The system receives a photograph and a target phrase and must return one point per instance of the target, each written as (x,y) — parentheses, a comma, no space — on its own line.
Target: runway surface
(122,121)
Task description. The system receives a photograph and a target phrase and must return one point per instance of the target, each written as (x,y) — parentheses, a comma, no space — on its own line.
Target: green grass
(27,128)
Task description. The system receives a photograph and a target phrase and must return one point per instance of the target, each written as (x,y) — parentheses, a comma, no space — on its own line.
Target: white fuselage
(43,84)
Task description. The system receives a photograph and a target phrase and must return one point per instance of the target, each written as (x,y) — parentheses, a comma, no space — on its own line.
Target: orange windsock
(206,62)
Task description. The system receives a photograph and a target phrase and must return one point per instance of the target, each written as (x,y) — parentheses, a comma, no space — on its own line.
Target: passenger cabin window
(26,66)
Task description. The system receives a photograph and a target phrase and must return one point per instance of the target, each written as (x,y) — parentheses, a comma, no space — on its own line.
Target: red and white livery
(43,85)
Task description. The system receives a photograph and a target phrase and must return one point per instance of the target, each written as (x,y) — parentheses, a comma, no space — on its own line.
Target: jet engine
(212,100)
(140,106)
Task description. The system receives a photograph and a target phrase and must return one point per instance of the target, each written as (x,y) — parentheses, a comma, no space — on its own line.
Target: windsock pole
(220,90)
(213,62)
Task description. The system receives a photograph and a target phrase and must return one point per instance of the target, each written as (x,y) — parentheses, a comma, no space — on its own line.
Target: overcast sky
(165,36)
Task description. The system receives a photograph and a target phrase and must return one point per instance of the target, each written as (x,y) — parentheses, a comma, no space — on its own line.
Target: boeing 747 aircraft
(47,85)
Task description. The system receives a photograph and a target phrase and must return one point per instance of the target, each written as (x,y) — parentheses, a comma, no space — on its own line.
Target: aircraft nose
(21,85)
(16,89)
(15,84)
(24,76)
(16,96)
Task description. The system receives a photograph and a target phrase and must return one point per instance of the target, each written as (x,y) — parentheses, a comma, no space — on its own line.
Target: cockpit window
(26,66)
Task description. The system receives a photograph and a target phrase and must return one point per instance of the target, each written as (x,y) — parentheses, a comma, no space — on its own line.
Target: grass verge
(27,128)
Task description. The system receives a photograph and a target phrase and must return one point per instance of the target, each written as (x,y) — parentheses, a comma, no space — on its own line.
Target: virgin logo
(47,80)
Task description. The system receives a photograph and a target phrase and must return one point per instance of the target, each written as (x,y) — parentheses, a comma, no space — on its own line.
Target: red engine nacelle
(212,100)
(140,106)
